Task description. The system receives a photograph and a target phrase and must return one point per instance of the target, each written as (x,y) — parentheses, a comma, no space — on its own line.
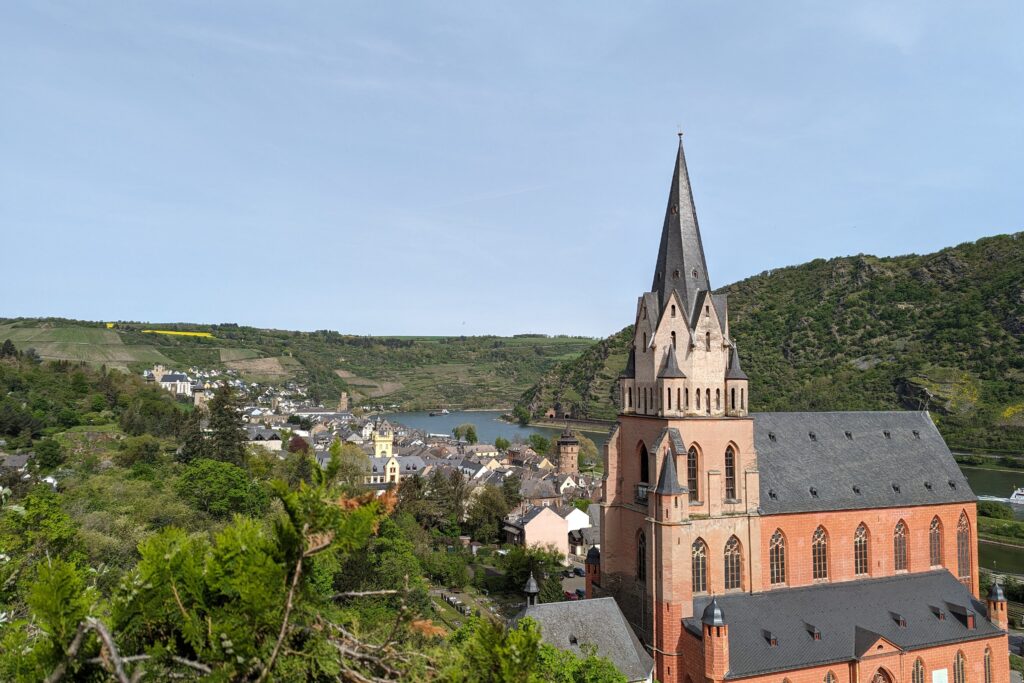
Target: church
(832,547)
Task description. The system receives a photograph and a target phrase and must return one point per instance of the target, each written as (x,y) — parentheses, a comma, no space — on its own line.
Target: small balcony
(640,493)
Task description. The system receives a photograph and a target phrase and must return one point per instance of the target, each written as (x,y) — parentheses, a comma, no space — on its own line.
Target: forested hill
(413,372)
(944,331)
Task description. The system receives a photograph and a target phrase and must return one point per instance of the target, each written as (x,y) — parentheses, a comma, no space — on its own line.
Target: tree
(588,451)
(486,511)
(522,415)
(298,445)
(348,465)
(539,443)
(138,449)
(466,431)
(193,441)
(227,438)
(502,444)
(221,489)
(48,454)
(8,350)
(544,563)
(510,489)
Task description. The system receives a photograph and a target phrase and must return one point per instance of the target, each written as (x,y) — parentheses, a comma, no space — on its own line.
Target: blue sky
(469,168)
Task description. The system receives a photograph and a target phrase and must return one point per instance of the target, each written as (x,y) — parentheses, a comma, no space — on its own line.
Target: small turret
(997,605)
(532,590)
(593,570)
(716,642)
(671,496)
(736,385)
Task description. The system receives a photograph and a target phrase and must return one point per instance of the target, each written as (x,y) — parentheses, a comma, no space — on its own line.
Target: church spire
(681,266)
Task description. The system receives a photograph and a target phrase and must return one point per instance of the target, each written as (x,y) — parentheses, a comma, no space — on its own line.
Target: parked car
(580,593)
(570,596)
(578,571)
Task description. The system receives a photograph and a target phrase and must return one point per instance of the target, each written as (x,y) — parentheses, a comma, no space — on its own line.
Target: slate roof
(847,615)
(668,482)
(681,252)
(174,377)
(537,488)
(811,462)
(573,625)
(671,368)
(734,371)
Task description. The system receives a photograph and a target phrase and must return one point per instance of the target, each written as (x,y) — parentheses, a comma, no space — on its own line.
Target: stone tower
(681,473)
(568,452)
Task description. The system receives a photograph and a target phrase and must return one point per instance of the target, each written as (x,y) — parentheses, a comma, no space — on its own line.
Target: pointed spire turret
(671,368)
(668,482)
(735,372)
(681,266)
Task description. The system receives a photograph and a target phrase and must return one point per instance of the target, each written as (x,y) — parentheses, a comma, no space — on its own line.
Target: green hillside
(414,372)
(943,331)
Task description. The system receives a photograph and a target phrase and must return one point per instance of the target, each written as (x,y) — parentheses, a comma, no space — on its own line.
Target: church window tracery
(699,565)
(777,558)
(819,554)
(963,548)
(730,473)
(733,564)
(691,474)
(899,546)
(935,542)
(860,550)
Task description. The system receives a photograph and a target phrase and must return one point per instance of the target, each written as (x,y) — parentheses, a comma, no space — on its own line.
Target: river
(489,426)
(488,423)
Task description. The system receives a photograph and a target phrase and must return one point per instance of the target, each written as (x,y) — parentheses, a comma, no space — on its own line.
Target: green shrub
(221,489)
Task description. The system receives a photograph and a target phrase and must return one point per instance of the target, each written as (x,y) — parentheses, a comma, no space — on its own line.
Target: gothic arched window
(629,397)
(718,399)
(641,557)
(819,553)
(917,676)
(959,668)
(692,474)
(935,542)
(673,340)
(899,546)
(733,399)
(733,564)
(707,341)
(963,547)
(699,566)
(673,310)
(830,678)
(644,465)
(668,395)
(988,665)
(730,473)
(777,558)
(860,550)
(698,398)
(707,400)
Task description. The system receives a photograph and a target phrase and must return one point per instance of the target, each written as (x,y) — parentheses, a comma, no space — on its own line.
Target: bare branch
(288,605)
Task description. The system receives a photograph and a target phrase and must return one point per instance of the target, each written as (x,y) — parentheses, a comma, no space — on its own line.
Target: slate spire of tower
(681,265)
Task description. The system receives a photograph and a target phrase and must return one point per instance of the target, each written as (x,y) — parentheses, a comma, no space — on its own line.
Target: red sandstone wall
(799,528)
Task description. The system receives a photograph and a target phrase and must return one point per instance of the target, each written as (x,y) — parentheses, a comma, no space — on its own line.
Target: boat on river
(1017,497)
(438,413)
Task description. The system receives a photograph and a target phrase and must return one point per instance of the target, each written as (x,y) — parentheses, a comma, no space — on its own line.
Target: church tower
(681,478)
